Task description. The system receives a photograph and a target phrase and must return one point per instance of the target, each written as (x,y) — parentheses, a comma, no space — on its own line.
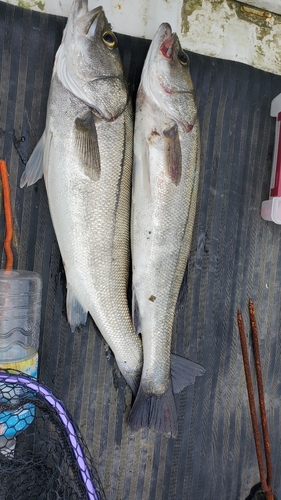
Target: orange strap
(8,214)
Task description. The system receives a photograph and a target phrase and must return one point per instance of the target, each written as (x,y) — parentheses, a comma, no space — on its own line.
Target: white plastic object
(20,314)
(271,208)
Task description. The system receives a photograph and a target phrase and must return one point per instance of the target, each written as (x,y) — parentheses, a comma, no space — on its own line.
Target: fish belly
(91,222)
(163,211)
(162,224)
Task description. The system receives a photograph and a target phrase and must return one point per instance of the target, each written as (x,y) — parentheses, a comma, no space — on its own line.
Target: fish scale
(85,154)
(165,184)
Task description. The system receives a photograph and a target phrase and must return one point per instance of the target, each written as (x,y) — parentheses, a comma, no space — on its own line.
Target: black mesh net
(42,452)
(257,493)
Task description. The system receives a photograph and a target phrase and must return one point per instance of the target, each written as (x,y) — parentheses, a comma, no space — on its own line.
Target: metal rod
(249,383)
(256,350)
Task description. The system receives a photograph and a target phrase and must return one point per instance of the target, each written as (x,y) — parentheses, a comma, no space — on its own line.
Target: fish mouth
(103,115)
(93,16)
(105,108)
(167,46)
(89,20)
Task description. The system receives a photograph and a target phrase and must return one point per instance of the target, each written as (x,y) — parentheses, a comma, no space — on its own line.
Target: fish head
(166,78)
(88,62)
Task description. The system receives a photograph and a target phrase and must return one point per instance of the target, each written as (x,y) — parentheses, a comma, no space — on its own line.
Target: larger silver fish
(85,154)
(165,183)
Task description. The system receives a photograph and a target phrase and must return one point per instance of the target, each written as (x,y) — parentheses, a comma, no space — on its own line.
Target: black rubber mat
(235,255)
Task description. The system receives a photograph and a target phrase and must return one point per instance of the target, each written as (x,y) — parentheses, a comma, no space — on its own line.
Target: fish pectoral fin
(172,154)
(34,167)
(184,372)
(76,314)
(86,142)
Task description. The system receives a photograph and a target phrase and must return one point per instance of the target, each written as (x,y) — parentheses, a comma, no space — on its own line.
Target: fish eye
(109,39)
(183,58)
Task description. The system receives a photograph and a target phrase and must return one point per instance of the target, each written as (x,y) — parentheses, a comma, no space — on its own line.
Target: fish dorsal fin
(173,157)
(86,143)
(34,167)
(184,372)
(76,314)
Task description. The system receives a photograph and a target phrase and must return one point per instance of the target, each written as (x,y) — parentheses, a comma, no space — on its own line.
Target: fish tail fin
(156,411)
(76,314)
(184,372)
(132,376)
(133,380)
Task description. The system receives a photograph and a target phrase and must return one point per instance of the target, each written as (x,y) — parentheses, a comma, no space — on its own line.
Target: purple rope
(66,421)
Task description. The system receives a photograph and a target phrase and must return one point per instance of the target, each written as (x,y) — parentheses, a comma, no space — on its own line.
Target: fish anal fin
(34,167)
(173,156)
(76,314)
(86,143)
(184,372)
(155,411)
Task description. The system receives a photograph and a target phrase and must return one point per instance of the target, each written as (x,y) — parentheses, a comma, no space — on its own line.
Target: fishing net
(257,493)
(42,453)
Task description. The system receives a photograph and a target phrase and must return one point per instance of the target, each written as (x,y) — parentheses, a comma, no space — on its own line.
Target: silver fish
(164,193)
(85,154)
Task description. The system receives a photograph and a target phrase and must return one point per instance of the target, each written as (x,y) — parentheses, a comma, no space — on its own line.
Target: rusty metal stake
(261,392)
(266,479)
